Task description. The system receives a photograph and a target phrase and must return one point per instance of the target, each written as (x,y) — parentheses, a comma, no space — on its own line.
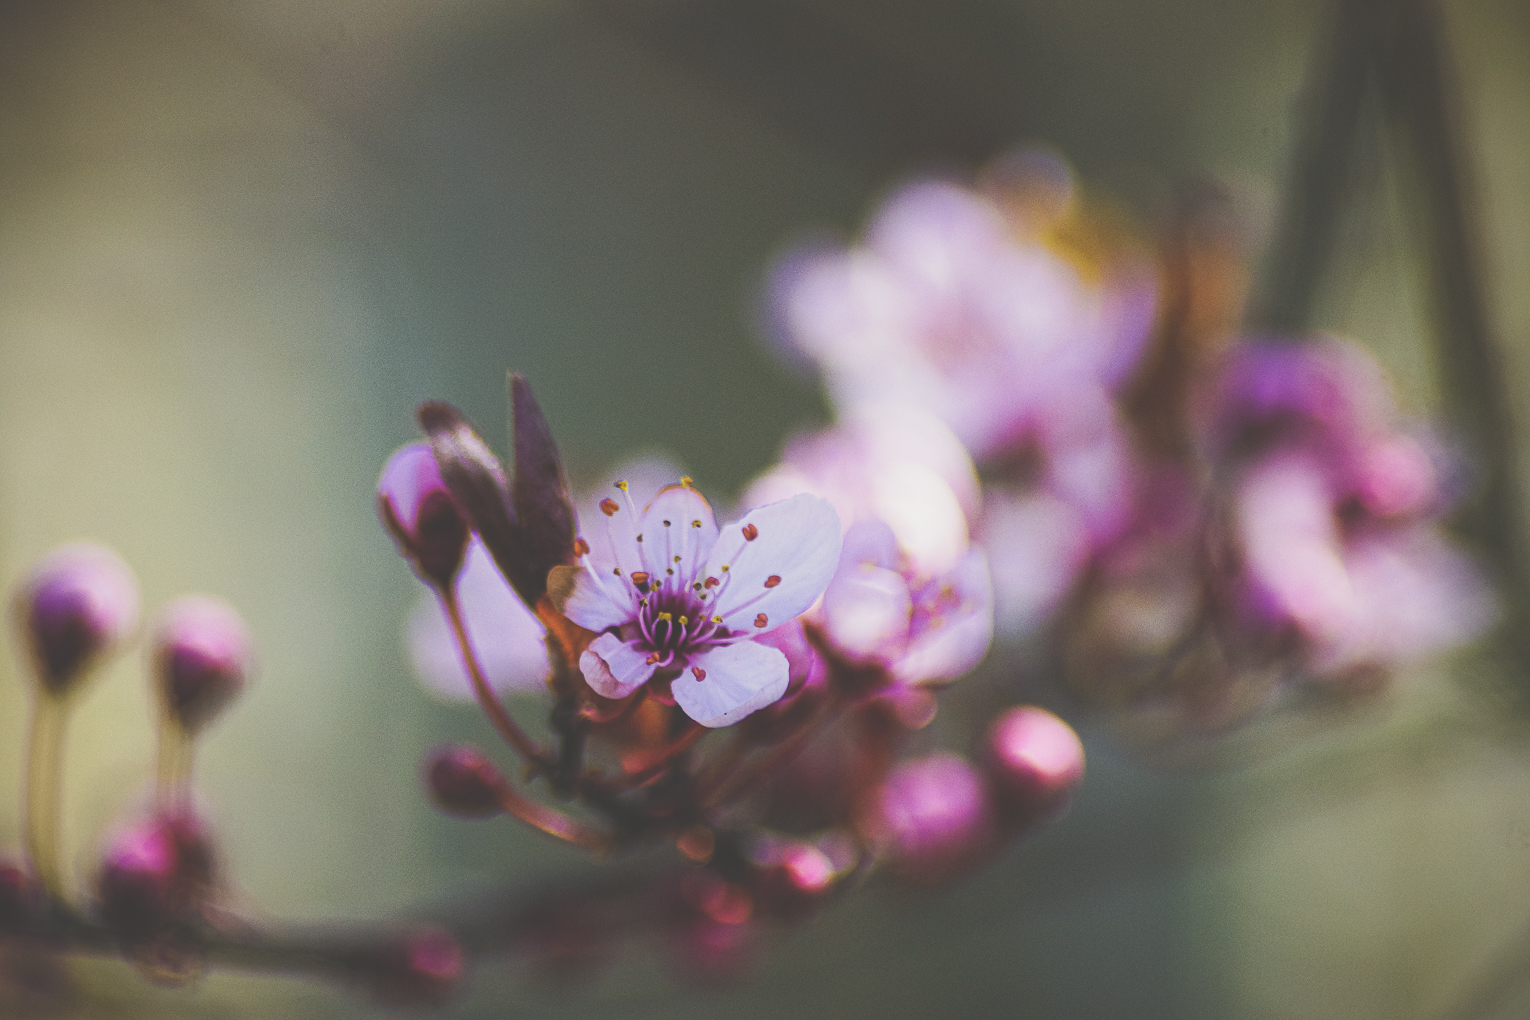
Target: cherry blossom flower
(921,629)
(676,599)
(1333,509)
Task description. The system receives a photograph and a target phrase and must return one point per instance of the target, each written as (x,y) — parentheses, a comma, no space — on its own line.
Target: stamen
(751,532)
(617,571)
(609,507)
(761,620)
(684,622)
(772,580)
(669,570)
(622,486)
(677,559)
(725,568)
(685,480)
(653,657)
(666,524)
(695,524)
(717,619)
(640,577)
(712,582)
(696,586)
(700,673)
(581,547)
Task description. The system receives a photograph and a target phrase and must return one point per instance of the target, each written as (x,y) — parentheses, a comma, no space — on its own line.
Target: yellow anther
(622,486)
(677,559)
(685,480)
(667,616)
(684,621)
(695,524)
(617,571)
(717,619)
(725,568)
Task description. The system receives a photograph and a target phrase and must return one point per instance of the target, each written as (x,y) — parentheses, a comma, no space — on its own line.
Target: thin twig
(534,756)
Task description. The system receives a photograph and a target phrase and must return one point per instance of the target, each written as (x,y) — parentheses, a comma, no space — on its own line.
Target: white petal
(615,668)
(601,600)
(866,612)
(962,639)
(679,523)
(794,552)
(737,679)
(506,636)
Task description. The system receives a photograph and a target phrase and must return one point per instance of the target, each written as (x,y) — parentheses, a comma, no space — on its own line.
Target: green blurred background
(241,239)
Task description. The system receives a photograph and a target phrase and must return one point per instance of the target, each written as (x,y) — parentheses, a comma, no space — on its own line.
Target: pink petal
(962,639)
(506,637)
(615,668)
(678,522)
(727,682)
(601,599)
(778,574)
(866,612)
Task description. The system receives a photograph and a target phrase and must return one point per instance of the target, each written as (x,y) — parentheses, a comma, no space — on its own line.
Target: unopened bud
(419,511)
(464,782)
(156,879)
(423,967)
(201,659)
(78,603)
(933,818)
(1033,760)
(713,935)
(794,879)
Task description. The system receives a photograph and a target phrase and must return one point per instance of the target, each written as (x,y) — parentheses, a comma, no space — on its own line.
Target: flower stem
(45,774)
(552,821)
(508,728)
(175,757)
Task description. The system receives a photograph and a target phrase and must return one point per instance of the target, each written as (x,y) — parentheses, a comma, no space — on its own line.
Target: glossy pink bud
(933,818)
(1033,760)
(464,782)
(419,511)
(422,967)
(79,602)
(794,879)
(201,659)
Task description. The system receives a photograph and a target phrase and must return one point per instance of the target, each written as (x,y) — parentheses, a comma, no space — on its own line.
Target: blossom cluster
(1287,534)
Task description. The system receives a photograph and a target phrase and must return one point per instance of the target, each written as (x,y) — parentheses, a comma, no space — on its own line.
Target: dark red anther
(701,674)
(609,507)
(761,620)
(772,580)
(712,582)
(581,547)
(751,532)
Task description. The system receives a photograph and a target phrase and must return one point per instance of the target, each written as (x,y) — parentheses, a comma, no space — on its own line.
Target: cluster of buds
(816,629)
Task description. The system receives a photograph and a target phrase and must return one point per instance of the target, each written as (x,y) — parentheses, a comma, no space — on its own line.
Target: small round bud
(153,891)
(423,967)
(201,659)
(1033,760)
(464,782)
(794,879)
(79,602)
(418,509)
(933,819)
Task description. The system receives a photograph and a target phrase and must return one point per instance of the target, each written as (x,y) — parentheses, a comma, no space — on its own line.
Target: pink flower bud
(933,818)
(1033,760)
(156,876)
(423,967)
(18,897)
(201,659)
(464,782)
(79,602)
(419,511)
(712,932)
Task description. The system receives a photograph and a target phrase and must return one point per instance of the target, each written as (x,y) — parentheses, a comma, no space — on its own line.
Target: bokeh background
(241,239)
